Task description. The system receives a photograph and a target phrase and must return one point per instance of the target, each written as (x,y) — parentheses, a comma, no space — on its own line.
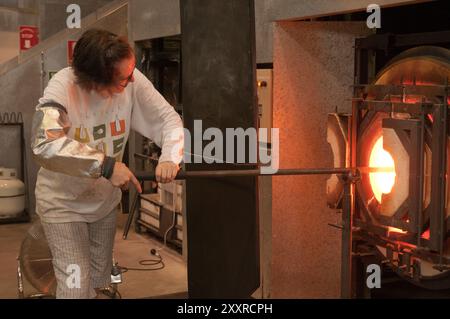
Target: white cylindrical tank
(12,193)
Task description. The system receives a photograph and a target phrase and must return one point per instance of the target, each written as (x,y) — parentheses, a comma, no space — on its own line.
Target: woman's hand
(166,172)
(122,176)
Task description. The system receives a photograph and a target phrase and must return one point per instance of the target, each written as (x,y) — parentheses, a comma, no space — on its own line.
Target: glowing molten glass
(396,230)
(381,182)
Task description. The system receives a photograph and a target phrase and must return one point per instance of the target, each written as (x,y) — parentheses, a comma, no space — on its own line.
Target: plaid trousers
(82,255)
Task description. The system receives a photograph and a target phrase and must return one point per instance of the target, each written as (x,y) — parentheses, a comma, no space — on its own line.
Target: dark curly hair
(95,56)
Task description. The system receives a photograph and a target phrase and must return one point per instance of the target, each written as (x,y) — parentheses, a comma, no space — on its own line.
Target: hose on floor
(155,264)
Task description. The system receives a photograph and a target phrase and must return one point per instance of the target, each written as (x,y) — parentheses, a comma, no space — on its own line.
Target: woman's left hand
(166,172)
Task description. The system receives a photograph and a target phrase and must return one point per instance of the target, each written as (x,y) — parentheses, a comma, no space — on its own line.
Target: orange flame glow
(381,182)
(396,230)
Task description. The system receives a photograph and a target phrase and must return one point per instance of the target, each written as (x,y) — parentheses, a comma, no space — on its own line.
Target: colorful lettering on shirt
(117,127)
(118,145)
(101,146)
(82,139)
(99,131)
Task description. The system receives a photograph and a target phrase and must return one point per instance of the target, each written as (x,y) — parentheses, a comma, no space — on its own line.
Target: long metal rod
(145,176)
(437,178)
(150,176)
(347,227)
(442,211)
(420,177)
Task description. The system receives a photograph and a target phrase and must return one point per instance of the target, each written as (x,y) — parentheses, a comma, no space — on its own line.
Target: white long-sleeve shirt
(66,191)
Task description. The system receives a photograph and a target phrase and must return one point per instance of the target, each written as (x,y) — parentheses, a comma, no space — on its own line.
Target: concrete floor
(169,281)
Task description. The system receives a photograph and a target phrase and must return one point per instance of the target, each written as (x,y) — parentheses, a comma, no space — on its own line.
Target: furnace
(397,138)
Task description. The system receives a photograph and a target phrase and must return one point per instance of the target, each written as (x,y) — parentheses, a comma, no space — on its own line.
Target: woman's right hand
(122,176)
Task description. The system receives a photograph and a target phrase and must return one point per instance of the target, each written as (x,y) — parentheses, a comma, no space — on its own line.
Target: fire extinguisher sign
(29,37)
(70,48)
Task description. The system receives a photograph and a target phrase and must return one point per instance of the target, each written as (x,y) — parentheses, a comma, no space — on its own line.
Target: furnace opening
(381,182)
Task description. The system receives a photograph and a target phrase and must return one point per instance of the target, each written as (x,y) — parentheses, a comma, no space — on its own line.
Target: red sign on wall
(70,47)
(29,37)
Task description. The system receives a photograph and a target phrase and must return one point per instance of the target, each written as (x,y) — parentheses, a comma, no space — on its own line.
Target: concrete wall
(10,19)
(9,46)
(313,74)
(154,19)
(20,80)
(264,32)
